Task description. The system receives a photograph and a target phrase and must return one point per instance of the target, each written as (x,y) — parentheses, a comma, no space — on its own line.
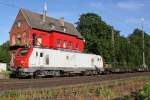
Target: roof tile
(35,21)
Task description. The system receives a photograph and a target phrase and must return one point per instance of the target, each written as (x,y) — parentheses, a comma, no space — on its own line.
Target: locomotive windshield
(23,52)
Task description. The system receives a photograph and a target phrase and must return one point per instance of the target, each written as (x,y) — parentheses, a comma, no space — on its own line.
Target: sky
(123,15)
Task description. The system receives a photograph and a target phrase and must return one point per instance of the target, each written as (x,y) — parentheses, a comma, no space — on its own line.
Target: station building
(32,29)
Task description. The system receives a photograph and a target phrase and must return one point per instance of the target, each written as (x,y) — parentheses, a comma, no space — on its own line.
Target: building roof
(35,20)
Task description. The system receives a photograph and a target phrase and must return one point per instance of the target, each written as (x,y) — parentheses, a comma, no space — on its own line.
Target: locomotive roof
(35,20)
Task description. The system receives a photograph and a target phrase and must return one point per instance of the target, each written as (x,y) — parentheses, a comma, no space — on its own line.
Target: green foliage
(95,32)
(145,93)
(98,36)
(103,91)
(4,53)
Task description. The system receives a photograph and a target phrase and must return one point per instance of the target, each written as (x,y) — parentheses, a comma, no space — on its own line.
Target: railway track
(12,84)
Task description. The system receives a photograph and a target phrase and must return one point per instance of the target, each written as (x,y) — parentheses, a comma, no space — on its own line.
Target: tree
(136,40)
(98,36)
(4,53)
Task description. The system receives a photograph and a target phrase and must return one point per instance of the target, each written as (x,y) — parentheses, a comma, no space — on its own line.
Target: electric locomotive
(49,62)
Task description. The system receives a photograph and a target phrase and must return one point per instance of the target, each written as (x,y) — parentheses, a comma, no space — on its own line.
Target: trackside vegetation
(106,90)
(145,93)
(4,53)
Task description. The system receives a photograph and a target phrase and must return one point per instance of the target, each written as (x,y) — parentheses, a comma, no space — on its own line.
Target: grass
(105,90)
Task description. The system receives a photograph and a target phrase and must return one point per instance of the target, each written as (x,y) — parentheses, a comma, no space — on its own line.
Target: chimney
(61,20)
(44,12)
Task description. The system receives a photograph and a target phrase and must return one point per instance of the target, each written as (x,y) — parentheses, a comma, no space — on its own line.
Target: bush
(145,93)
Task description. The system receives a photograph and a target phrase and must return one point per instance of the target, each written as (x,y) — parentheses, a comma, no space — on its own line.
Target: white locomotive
(42,61)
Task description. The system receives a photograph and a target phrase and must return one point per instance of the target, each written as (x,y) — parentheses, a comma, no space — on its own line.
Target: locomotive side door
(41,59)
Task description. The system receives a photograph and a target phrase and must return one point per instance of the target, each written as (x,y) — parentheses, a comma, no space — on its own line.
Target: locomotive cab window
(98,59)
(23,52)
(36,54)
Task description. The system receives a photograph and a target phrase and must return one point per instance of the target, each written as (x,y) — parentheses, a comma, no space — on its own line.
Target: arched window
(24,39)
(19,39)
(19,24)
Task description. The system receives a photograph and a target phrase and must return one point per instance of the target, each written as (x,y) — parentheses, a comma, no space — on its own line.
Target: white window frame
(65,44)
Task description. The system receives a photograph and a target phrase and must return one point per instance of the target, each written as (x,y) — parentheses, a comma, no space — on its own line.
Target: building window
(58,43)
(51,26)
(19,24)
(70,45)
(34,39)
(77,46)
(24,38)
(64,29)
(39,41)
(47,60)
(65,44)
(13,40)
(19,39)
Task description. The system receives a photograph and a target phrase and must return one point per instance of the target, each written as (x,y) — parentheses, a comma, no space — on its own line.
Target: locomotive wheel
(13,74)
(35,74)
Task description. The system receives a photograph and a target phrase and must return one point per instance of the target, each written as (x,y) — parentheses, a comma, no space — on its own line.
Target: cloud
(132,21)
(95,4)
(131,5)
(137,22)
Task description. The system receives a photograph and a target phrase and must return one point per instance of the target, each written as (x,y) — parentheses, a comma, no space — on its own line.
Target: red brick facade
(20,32)
(21,35)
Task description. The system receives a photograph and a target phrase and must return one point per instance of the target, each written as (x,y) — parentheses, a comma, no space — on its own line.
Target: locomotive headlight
(22,62)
